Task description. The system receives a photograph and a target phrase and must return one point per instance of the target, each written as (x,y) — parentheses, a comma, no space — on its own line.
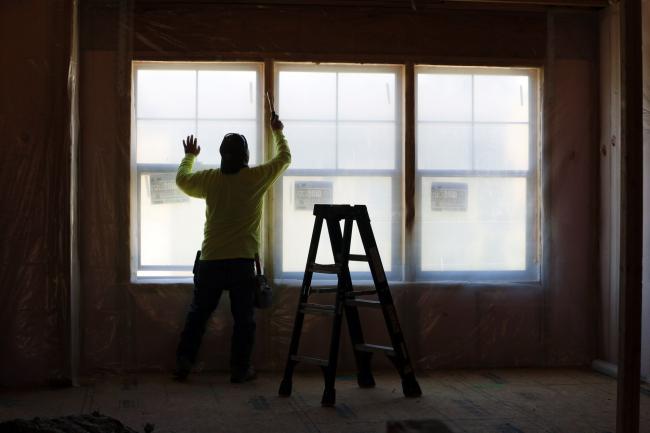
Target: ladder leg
(401,360)
(329,393)
(362,359)
(286,384)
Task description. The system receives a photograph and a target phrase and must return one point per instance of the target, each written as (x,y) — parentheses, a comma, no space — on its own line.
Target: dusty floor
(500,401)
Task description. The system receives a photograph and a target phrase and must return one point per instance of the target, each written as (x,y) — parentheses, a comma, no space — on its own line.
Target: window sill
(482,285)
(156,281)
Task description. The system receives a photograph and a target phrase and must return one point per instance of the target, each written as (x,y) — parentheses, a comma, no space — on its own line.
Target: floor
(485,401)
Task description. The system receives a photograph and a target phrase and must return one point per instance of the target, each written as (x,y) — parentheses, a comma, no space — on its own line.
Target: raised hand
(276,123)
(189,145)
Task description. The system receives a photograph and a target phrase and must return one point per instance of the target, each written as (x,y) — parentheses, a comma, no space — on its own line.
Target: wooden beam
(415,5)
(555,3)
(409,169)
(629,362)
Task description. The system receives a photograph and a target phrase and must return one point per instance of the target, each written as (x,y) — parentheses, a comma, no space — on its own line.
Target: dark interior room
(325,216)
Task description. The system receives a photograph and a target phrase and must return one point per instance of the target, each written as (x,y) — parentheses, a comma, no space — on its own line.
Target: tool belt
(263,292)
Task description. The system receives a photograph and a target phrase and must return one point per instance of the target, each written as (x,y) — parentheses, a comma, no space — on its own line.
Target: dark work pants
(211,279)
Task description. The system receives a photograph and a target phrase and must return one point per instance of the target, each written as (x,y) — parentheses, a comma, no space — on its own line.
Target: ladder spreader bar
(358,258)
(363,303)
(325,269)
(375,348)
(310,360)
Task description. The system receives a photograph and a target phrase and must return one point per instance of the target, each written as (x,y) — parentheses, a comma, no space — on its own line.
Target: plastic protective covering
(38,88)
(455,196)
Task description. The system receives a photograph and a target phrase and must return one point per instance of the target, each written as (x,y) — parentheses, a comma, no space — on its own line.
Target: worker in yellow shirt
(233,195)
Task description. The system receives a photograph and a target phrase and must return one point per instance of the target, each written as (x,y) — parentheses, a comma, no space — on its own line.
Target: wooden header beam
(556,3)
(629,354)
(415,5)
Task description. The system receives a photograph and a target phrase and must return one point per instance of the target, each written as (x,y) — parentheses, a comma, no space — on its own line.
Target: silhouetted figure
(233,196)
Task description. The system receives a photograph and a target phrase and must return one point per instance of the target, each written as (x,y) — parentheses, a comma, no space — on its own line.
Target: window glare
(227,94)
(166,94)
(208,101)
(489,234)
(166,239)
(298,222)
(501,98)
(475,122)
(307,95)
(339,122)
(444,97)
(364,96)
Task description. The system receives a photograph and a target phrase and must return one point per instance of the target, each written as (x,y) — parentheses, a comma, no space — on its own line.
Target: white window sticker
(447,196)
(163,189)
(309,193)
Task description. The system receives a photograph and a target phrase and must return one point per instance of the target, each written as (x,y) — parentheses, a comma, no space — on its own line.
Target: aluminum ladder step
(324,289)
(361,293)
(363,303)
(317,308)
(375,348)
(325,269)
(357,258)
(310,360)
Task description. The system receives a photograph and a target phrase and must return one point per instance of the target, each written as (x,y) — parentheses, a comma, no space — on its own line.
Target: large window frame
(406,263)
(532,269)
(395,174)
(140,272)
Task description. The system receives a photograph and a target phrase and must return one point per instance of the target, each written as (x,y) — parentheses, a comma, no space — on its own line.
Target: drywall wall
(135,326)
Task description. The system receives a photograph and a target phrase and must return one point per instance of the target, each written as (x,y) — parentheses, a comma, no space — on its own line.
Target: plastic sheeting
(35,120)
(129,325)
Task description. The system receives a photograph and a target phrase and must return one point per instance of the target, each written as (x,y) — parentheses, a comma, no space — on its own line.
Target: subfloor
(485,401)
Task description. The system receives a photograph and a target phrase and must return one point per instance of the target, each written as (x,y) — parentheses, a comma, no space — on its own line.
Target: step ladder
(347,302)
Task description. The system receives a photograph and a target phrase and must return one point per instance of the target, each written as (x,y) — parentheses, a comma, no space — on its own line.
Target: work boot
(183,367)
(245,376)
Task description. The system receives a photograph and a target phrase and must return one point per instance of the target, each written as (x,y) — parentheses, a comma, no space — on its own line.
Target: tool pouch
(263,292)
(196,262)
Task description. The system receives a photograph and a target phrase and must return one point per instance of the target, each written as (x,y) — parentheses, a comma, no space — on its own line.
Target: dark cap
(234,153)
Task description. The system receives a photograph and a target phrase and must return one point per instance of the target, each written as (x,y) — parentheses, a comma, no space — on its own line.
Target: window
(476,179)
(477,203)
(343,125)
(171,101)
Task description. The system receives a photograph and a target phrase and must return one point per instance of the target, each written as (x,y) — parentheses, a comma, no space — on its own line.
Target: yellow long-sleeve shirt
(233,202)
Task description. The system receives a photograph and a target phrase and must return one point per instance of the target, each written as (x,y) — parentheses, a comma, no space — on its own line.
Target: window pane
(227,94)
(444,146)
(312,144)
(166,94)
(501,146)
(163,210)
(500,98)
(307,95)
(366,96)
(444,97)
(298,219)
(366,145)
(161,141)
(168,109)
(211,133)
(483,231)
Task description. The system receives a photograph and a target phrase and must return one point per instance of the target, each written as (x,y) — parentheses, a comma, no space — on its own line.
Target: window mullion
(410,253)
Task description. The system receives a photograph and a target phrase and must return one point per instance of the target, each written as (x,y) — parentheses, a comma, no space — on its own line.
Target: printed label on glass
(448,196)
(309,193)
(163,189)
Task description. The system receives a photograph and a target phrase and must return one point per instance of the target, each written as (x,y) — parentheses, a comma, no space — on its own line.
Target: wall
(128,326)
(35,171)
(610,163)
(611,184)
